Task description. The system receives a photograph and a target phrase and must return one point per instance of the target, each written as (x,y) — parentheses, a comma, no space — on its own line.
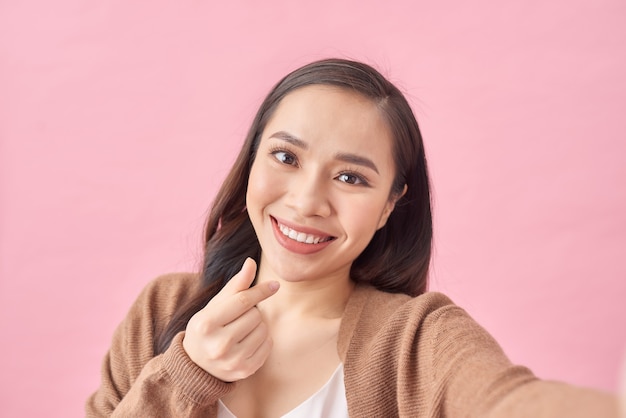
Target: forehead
(328,103)
(332,116)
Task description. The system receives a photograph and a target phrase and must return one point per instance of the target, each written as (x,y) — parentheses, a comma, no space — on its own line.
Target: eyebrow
(287,137)
(358,160)
(342,156)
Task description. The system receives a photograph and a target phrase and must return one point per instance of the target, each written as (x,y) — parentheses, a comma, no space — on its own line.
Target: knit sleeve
(135,382)
(474,378)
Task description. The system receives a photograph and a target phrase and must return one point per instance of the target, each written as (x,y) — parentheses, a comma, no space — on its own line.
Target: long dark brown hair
(396,259)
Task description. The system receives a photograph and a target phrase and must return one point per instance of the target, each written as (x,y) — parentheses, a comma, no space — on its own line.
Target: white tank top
(329,401)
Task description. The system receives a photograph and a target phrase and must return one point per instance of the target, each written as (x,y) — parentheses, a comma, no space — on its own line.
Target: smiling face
(319,187)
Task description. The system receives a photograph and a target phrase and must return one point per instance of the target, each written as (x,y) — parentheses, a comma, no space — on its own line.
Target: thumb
(243,279)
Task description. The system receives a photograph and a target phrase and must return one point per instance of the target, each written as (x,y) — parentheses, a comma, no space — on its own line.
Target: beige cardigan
(407,357)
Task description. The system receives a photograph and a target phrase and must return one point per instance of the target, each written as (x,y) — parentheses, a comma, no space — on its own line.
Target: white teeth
(300,236)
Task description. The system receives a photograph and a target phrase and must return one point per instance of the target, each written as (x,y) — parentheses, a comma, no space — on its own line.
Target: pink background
(119,119)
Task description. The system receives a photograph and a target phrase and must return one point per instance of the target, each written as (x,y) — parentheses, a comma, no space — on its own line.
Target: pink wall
(118,120)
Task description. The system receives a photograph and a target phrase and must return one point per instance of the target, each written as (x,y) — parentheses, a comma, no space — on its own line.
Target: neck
(321,298)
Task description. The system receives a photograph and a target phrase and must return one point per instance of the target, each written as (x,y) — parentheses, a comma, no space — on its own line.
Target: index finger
(232,307)
(237,297)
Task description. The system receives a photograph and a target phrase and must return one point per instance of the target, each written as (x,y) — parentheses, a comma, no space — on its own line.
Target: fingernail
(274,286)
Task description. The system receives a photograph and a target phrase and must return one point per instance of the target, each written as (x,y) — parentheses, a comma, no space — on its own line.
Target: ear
(389,207)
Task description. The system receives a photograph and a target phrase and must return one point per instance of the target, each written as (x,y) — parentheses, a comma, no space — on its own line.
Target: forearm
(168,385)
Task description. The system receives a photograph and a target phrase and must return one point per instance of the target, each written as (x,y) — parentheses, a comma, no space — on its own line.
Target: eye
(351,178)
(285,157)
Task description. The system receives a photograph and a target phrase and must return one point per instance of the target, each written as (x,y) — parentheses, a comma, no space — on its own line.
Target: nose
(309,195)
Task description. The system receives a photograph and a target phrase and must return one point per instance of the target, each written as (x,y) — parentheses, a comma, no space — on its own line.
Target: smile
(301,236)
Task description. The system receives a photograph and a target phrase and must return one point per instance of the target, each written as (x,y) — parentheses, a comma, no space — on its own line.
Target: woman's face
(319,187)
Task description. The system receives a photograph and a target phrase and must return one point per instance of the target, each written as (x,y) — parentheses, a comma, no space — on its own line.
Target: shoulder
(395,301)
(132,343)
(377,318)
(157,302)
(369,305)
(399,341)
(171,287)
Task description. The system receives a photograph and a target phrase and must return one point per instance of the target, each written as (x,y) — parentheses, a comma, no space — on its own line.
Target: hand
(228,337)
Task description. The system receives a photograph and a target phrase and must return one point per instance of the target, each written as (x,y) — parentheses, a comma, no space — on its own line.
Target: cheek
(361,220)
(261,188)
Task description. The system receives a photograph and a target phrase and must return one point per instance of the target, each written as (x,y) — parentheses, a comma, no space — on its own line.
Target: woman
(311,301)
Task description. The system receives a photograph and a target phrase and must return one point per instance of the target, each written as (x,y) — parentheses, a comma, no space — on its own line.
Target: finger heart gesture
(228,337)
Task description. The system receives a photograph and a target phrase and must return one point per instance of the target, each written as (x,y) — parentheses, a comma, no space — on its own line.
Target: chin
(290,274)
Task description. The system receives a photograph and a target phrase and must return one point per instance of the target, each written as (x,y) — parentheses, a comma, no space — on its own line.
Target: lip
(295,246)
